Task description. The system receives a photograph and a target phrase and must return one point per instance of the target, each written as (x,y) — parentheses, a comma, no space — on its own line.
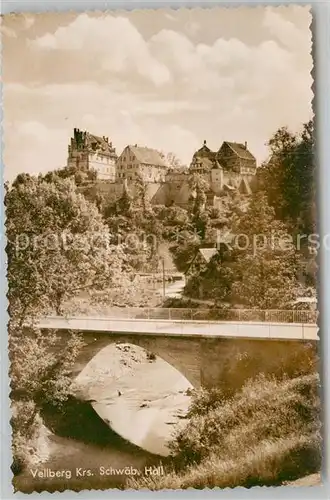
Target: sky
(166,79)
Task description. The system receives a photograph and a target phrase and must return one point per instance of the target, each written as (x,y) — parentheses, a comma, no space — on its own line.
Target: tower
(91,152)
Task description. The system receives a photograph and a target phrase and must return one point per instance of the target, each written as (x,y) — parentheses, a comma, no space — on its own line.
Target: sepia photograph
(162,249)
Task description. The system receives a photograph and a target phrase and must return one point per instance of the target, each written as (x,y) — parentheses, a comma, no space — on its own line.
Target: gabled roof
(91,138)
(208,253)
(240,150)
(204,152)
(148,156)
(204,162)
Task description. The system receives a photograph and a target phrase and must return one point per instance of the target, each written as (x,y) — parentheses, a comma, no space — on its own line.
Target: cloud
(24,23)
(115,41)
(7,31)
(164,90)
(287,32)
(193,28)
(40,143)
(170,59)
(170,17)
(28,22)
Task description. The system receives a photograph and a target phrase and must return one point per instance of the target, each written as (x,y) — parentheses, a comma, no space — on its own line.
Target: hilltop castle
(230,169)
(90,152)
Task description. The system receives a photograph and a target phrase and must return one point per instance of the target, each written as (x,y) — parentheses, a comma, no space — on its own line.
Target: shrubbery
(266,433)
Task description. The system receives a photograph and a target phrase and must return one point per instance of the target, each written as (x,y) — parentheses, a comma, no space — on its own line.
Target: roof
(208,253)
(96,139)
(148,156)
(204,162)
(240,150)
(204,153)
(96,142)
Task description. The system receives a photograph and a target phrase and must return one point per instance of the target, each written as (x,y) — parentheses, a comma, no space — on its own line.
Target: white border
(321,50)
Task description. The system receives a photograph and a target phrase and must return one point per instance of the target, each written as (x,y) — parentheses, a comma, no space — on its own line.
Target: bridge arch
(183,355)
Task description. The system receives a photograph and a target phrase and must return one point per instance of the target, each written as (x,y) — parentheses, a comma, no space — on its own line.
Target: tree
(289,178)
(173,221)
(213,280)
(141,198)
(92,174)
(256,267)
(173,162)
(265,258)
(124,204)
(40,371)
(57,246)
(185,250)
(200,217)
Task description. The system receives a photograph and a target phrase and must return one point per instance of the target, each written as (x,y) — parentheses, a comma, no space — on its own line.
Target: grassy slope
(268,433)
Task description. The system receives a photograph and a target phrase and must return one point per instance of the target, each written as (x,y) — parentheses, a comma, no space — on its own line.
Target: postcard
(162,249)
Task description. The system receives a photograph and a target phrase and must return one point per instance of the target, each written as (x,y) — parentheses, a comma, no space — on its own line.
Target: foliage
(257,268)
(213,280)
(173,162)
(40,372)
(185,250)
(141,198)
(289,178)
(200,217)
(57,245)
(36,373)
(265,269)
(267,433)
(173,221)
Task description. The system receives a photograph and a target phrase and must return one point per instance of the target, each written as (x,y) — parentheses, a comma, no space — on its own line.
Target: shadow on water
(81,440)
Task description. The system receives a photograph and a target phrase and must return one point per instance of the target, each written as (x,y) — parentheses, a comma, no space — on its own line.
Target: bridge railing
(269,316)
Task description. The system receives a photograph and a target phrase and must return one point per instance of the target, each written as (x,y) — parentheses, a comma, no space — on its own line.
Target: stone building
(235,157)
(91,152)
(203,160)
(230,168)
(141,162)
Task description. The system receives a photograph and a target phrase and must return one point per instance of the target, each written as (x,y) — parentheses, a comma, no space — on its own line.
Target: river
(132,407)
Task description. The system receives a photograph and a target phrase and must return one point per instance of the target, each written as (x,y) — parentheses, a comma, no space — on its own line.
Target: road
(187,328)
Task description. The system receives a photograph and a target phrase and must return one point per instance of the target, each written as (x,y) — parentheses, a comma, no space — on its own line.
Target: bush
(267,433)
(29,436)
(263,408)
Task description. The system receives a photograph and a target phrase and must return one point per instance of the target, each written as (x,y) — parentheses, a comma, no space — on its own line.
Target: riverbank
(266,434)
(121,419)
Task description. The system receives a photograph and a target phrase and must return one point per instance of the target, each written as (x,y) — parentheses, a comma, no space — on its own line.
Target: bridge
(205,345)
